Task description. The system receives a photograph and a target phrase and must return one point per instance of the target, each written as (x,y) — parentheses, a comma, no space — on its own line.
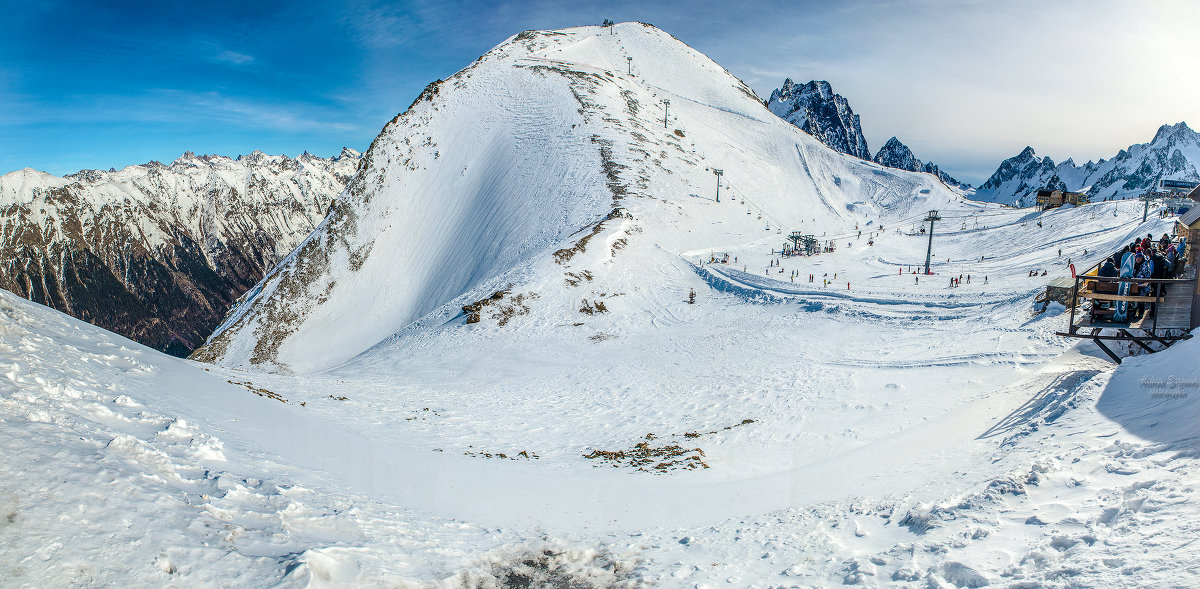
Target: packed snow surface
(594,428)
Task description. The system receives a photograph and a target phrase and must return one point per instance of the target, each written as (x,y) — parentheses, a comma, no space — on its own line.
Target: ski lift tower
(933,216)
(1147,197)
(719,173)
(795,238)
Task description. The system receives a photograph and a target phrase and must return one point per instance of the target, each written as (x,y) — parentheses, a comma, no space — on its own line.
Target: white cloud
(234,57)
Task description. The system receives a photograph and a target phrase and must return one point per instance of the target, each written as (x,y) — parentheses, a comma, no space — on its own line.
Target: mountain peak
(1131,172)
(1179,129)
(477,172)
(818,111)
(895,154)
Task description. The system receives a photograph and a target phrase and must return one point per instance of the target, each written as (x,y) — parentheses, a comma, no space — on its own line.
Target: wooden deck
(1170,322)
(1174,310)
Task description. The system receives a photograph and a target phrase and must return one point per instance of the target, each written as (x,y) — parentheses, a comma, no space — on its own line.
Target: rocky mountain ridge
(822,113)
(895,154)
(826,115)
(1173,153)
(159,252)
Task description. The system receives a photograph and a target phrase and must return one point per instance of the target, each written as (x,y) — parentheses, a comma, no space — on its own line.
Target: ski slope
(543,142)
(774,433)
(894,440)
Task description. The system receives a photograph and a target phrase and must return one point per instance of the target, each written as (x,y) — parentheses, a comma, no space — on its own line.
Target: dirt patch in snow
(648,458)
(259,391)
(592,308)
(548,565)
(504,307)
(660,457)
(573,279)
(522,455)
(564,255)
(473,310)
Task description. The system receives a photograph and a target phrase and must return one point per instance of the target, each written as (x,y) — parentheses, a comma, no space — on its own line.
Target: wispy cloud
(273,115)
(378,25)
(234,57)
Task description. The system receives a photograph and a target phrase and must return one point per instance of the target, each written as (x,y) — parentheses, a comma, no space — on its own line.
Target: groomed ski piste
(774,433)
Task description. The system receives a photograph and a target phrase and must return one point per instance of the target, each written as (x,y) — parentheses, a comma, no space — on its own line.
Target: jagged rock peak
(895,154)
(818,111)
(1173,153)
(1180,129)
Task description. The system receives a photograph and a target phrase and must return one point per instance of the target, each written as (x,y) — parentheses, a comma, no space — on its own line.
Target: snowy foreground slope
(775,433)
(935,444)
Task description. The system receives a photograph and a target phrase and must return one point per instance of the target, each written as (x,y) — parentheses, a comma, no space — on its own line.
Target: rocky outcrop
(895,154)
(819,112)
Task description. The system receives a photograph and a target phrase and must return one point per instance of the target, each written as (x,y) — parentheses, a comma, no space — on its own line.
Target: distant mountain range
(1174,153)
(158,253)
(817,110)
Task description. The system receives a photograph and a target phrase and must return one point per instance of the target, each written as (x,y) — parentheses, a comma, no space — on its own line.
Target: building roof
(1191,217)
(1195,193)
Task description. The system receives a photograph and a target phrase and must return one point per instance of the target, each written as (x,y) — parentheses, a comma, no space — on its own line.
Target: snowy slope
(457,198)
(1174,153)
(931,437)
(159,252)
(868,427)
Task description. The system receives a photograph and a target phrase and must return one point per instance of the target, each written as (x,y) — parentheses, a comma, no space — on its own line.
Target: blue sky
(87,84)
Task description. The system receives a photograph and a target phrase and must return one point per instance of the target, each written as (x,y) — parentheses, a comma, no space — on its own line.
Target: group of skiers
(1151,260)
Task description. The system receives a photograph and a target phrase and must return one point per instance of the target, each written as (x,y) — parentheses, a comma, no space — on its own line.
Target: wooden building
(1188,227)
(1048,199)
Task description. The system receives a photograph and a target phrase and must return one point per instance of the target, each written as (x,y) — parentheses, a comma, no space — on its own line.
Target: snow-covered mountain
(1173,153)
(818,111)
(457,201)
(895,154)
(621,383)
(157,252)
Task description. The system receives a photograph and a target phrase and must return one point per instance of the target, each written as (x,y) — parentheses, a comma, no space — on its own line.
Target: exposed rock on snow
(156,252)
